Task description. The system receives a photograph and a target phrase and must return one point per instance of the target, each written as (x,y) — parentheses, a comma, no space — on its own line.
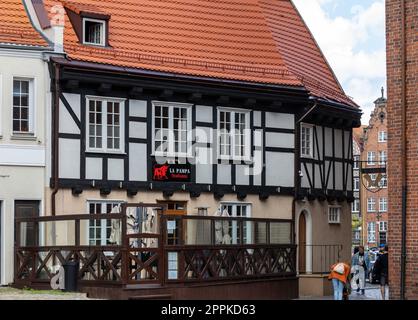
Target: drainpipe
(403,150)
(55,126)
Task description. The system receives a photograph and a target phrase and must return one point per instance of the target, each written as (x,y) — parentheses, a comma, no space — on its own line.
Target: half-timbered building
(205,107)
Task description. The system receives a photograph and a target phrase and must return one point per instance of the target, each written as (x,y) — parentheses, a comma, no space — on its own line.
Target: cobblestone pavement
(7,293)
(372,292)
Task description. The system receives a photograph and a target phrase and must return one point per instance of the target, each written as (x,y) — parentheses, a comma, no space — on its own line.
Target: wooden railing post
(124,247)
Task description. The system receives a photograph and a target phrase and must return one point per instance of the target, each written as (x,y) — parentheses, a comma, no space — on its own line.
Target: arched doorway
(302,242)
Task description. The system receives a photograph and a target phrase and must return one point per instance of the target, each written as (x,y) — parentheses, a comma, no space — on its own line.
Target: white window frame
(383,204)
(385,157)
(171,143)
(103,227)
(234,206)
(370,232)
(337,219)
(371,204)
(247,135)
(354,207)
(103,33)
(31,109)
(356,182)
(356,164)
(383,226)
(382,136)
(309,127)
(369,161)
(381,182)
(104,148)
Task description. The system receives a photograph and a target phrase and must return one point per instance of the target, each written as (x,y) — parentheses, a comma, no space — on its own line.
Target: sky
(351,34)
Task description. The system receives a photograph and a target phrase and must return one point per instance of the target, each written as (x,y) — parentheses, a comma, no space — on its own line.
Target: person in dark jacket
(381,268)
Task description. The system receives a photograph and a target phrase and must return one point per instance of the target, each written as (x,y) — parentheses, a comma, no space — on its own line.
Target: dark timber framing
(87,79)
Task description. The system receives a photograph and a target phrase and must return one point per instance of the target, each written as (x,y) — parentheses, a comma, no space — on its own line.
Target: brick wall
(371,144)
(393,35)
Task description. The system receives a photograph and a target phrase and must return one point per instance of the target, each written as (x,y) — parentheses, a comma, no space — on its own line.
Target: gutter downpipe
(403,151)
(55,124)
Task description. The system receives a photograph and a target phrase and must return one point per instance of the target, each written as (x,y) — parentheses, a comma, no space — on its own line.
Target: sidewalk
(372,292)
(7,293)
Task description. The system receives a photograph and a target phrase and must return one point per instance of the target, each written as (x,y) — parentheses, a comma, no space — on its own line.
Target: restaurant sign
(171,172)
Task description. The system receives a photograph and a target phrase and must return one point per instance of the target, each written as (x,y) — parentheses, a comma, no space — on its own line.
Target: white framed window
(356,184)
(382,136)
(306,140)
(383,205)
(105,129)
(383,226)
(371,158)
(356,164)
(371,232)
(371,205)
(172,126)
(383,183)
(94,32)
(99,231)
(355,206)
(334,214)
(23,106)
(238,210)
(382,157)
(234,134)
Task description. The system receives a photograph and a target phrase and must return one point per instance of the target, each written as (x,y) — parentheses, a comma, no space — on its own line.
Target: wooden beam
(250,102)
(166,94)
(105,87)
(136,91)
(72,84)
(223,100)
(195,97)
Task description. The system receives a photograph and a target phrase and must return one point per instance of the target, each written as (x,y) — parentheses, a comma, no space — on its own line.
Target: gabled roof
(15,26)
(263,41)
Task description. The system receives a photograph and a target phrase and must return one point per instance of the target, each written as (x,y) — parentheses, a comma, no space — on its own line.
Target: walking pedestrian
(339,275)
(360,263)
(381,268)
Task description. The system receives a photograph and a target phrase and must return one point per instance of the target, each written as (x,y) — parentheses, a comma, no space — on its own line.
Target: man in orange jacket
(339,275)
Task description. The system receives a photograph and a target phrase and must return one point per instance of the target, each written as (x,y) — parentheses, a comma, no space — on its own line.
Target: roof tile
(263,41)
(15,26)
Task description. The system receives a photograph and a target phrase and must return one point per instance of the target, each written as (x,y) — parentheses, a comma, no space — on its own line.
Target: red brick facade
(394,59)
(376,213)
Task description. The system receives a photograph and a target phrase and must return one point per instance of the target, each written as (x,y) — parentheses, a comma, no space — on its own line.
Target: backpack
(339,268)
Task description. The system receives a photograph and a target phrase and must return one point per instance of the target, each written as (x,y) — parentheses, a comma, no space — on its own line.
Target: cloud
(353,45)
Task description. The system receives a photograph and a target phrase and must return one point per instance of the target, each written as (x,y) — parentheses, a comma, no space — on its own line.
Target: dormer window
(94,32)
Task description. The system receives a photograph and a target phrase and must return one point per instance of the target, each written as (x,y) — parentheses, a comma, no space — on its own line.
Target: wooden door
(174,229)
(302,243)
(28,234)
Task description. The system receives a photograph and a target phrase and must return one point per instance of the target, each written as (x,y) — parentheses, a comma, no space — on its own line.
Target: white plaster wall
(23,174)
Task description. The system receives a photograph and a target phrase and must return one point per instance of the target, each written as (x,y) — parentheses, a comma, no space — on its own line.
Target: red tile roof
(300,51)
(15,26)
(262,41)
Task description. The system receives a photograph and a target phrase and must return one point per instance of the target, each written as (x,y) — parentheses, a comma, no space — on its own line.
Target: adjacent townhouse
(203,106)
(373,184)
(356,205)
(24,102)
